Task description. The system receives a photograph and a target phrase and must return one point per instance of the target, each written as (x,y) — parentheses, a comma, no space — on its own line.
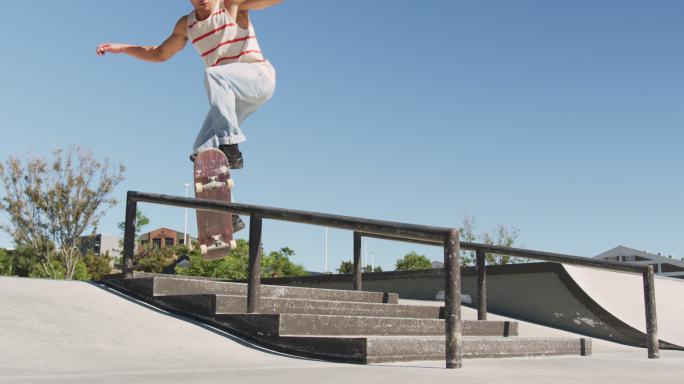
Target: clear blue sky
(560,118)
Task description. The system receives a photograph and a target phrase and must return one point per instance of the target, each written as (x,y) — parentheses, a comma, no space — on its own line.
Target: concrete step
(357,339)
(288,324)
(231,304)
(387,349)
(164,285)
(382,349)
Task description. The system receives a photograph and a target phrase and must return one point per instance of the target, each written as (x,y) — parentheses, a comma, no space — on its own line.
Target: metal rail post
(452,301)
(357,261)
(129,236)
(651,319)
(254,271)
(481,285)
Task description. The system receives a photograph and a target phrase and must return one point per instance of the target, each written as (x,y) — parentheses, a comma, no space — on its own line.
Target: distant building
(162,237)
(662,265)
(100,244)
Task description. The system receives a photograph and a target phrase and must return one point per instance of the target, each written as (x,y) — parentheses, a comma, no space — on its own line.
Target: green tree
(140,222)
(500,236)
(278,264)
(55,202)
(412,261)
(346,267)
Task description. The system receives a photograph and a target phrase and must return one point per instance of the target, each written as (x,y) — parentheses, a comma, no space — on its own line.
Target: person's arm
(243,6)
(254,5)
(172,45)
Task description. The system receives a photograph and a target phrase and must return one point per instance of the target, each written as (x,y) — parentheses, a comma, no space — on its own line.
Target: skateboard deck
(213,182)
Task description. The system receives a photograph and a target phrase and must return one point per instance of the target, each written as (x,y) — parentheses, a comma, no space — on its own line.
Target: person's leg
(234,91)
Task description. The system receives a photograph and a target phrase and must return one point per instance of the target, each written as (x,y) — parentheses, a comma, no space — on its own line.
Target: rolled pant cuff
(215,142)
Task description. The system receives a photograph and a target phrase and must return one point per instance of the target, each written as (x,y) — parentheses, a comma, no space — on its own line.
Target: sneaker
(232,152)
(238,224)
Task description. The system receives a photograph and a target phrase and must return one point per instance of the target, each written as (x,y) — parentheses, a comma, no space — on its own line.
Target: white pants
(235,91)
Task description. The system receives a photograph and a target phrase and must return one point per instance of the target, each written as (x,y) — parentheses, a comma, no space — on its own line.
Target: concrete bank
(75,332)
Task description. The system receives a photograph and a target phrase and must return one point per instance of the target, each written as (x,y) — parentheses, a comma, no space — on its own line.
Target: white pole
(185,231)
(365,253)
(372,260)
(326,251)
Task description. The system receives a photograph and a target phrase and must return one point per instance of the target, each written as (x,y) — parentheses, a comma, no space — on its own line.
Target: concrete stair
(164,285)
(348,326)
(288,324)
(228,304)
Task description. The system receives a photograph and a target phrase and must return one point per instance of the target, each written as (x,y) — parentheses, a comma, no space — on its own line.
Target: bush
(346,267)
(154,259)
(6,263)
(412,261)
(24,259)
(235,266)
(56,270)
(97,266)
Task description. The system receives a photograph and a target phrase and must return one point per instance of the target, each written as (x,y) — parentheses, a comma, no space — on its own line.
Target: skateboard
(213,182)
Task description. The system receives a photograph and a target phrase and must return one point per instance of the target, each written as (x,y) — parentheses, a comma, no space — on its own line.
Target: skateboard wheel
(203,249)
(198,187)
(233,244)
(230,183)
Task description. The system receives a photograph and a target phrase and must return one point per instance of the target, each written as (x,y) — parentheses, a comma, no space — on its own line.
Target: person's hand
(105,48)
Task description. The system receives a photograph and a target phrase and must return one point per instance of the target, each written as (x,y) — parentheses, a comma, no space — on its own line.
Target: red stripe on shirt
(212,32)
(213,14)
(234,57)
(226,43)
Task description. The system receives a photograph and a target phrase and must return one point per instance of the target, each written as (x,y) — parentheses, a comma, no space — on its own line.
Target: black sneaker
(232,152)
(238,224)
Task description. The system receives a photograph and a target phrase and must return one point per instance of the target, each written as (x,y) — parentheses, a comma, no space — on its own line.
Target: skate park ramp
(72,331)
(79,332)
(597,303)
(621,294)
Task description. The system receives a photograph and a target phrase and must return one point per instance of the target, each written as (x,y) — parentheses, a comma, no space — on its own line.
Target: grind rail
(448,238)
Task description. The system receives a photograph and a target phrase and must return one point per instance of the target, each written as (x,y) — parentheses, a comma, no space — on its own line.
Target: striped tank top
(219,40)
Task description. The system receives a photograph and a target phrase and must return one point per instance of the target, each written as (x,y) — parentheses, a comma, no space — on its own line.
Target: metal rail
(447,237)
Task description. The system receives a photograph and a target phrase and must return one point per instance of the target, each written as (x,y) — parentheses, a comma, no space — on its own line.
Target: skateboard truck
(214,184)
(218,245)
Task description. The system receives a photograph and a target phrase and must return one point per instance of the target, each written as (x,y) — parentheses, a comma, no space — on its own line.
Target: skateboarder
(238,78)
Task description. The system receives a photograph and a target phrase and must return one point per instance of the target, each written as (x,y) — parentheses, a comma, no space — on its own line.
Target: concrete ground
(76,332)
